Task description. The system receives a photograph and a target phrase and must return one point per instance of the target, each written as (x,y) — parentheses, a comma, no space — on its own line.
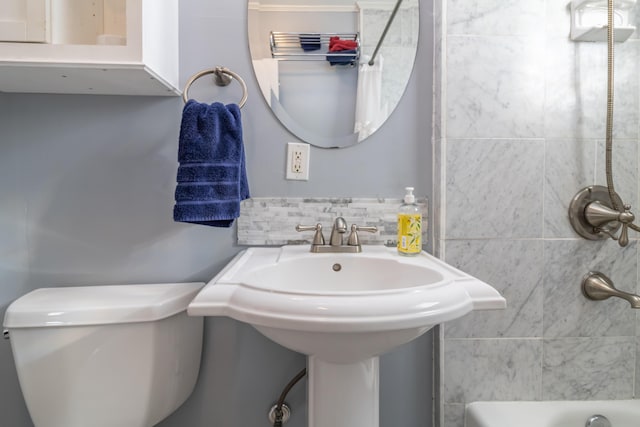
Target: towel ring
(223,77)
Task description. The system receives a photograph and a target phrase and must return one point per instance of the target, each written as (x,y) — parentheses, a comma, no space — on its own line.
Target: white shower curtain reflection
(370,109)
(266,70)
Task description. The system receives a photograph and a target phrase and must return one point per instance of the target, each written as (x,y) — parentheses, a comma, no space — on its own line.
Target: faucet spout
(596,286)
(339,228)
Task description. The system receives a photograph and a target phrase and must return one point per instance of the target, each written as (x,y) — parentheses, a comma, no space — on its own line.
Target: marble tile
(494,188)
(439,68)
(439,190)
(557,21)
(492,369)
(625,171)
(453,415)
(495,17)
(569,167)
(588,368)
(635,20)
(567,313)
(576,90)
(548,94)
(514,268)
(636,385)
(495,87)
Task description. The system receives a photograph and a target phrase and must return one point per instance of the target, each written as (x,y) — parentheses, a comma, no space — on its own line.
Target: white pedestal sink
(342,310)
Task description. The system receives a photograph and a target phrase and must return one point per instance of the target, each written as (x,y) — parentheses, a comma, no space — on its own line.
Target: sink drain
(336,267)
(598,421)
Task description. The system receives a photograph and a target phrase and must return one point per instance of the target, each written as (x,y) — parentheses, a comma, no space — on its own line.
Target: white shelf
(147,64)
(599,34)
(589,19)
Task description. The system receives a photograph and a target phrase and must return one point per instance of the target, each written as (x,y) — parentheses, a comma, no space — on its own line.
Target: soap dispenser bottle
(409,225)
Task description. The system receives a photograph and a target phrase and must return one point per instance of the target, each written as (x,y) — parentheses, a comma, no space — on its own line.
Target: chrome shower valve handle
(598,214)
(592,216)
(625,218)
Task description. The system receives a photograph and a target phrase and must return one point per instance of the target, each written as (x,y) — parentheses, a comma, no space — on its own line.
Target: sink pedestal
(343,395)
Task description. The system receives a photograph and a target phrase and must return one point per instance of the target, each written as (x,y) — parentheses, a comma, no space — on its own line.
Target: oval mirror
(320,69)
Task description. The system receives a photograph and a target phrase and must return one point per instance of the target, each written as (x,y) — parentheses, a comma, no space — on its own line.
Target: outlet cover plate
(298,161)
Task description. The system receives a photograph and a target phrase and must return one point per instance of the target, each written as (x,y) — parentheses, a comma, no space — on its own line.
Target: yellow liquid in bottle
(409,233)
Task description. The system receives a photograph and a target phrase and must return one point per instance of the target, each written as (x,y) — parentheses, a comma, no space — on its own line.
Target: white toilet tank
(105,356)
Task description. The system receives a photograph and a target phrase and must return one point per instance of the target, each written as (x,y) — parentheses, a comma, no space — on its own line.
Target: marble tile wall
(522,130)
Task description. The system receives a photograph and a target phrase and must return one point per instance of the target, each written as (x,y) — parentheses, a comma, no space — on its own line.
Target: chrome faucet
(336,241)
(339,228)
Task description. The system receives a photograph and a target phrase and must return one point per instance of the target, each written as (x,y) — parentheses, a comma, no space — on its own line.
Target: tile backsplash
(273,220)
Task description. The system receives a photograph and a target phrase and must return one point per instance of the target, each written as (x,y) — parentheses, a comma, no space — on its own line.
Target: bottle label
(410,233)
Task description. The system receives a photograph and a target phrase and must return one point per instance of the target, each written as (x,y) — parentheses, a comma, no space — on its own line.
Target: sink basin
(299,299)
(331,274)
(342,310)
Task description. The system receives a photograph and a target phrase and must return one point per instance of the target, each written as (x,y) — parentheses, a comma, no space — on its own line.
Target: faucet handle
(625,219)
(318,238)
(353,239)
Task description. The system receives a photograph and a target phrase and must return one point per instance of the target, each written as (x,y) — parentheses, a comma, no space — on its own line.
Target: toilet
(105,356)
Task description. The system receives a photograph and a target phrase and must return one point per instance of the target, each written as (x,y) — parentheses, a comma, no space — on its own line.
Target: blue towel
(212,178)
(310,42)
(342,57)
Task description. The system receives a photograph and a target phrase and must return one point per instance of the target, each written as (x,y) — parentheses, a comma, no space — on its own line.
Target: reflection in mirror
(324,91)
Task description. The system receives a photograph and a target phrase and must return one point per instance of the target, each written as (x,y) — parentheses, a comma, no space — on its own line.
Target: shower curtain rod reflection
(384,32)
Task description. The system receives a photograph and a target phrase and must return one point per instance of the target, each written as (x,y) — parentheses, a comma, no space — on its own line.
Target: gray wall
(86,187)
(521,130)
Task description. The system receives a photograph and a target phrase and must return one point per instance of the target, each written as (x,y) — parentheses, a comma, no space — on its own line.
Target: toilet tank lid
(99,305)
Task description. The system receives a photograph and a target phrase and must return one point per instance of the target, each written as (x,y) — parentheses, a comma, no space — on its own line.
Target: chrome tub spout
(597,287)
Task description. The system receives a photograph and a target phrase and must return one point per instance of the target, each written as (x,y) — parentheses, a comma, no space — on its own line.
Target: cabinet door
(24,21)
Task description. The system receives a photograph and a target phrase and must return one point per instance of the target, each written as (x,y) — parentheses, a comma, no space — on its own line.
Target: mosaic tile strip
(266,221)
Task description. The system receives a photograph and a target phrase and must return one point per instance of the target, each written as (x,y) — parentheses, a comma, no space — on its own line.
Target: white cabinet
(24,21)
(114,47)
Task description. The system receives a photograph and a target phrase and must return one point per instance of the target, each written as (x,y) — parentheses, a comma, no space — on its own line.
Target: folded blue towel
(310,42)
(342,57)
(212,178)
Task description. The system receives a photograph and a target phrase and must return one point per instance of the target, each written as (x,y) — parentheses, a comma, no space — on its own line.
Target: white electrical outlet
(298,161)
